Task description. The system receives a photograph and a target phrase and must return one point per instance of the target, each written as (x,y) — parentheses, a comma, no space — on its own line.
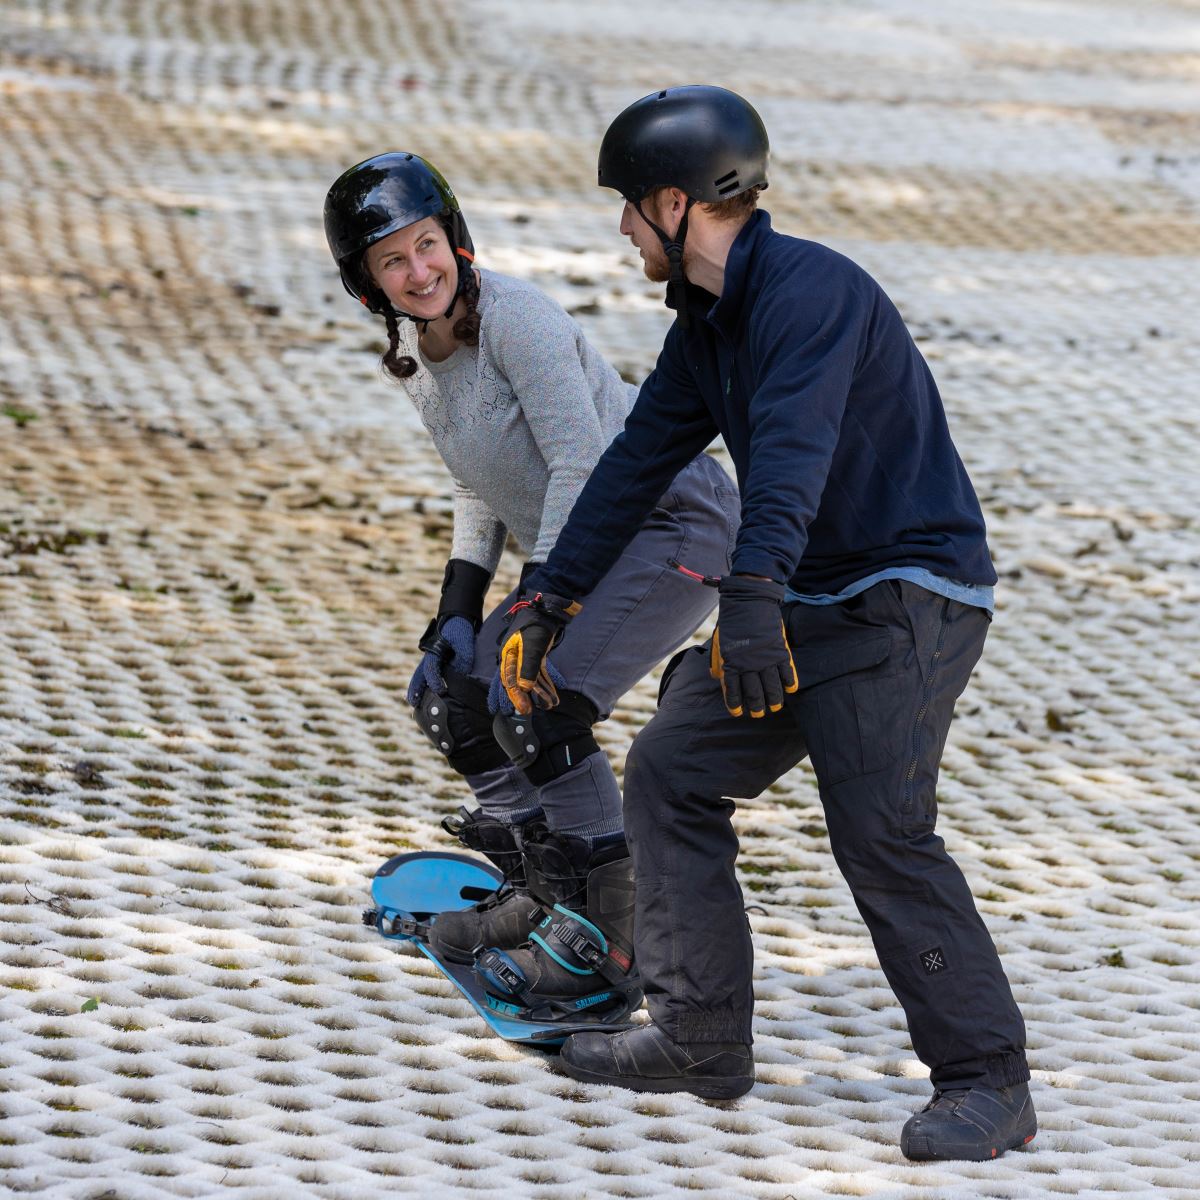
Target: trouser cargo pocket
(850,664)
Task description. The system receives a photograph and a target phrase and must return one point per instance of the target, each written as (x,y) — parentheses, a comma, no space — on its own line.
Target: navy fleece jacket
(833,420)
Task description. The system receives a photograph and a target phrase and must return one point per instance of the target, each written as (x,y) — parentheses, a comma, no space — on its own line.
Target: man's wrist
(528,571)
(751,587)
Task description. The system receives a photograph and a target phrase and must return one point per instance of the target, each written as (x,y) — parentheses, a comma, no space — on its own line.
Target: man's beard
(657,269)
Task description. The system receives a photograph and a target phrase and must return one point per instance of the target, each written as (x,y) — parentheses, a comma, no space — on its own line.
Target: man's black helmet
(706,141)
(375,198)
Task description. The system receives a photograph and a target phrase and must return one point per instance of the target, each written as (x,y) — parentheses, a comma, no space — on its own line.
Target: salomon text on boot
(579,957)
(506,917)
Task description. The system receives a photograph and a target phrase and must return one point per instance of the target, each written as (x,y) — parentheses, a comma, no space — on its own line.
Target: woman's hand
(453,642)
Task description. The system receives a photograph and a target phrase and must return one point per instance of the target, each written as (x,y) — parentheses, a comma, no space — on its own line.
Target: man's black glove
(535,626)
(750,653)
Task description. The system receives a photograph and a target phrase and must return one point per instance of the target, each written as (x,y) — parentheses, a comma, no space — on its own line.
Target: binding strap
(579,946)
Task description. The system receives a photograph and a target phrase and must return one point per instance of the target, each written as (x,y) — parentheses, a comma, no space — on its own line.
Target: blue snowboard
(411,889)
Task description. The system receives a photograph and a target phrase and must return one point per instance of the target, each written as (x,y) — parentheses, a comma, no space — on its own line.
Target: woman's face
(416,269)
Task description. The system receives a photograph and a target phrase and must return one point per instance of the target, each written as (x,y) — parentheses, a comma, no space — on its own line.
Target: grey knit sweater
(519,420)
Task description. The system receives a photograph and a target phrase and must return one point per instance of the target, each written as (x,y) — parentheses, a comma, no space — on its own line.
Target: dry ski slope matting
(221,532)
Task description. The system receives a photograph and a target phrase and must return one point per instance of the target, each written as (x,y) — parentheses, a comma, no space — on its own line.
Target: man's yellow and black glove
(535,626)
(750,653)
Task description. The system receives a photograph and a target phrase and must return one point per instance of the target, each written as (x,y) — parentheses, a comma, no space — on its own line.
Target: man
(857,606)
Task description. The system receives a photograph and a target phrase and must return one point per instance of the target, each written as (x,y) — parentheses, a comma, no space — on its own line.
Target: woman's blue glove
(498,701)
(454,642)
(498,698)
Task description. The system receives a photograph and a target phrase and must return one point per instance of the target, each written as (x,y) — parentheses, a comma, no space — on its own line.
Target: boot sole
(707,1087)
(919,1151)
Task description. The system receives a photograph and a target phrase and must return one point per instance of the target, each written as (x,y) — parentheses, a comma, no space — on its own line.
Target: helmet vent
(727,183)
(662,95)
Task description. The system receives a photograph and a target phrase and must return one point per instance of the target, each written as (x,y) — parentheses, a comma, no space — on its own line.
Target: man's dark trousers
(879,675)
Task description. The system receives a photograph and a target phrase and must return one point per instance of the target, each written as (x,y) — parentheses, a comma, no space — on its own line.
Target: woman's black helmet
(706,141)
(375,198)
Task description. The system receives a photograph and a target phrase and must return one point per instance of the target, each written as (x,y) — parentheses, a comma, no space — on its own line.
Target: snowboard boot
(647,1060)
(976,1124)
(579,956)
(506,917)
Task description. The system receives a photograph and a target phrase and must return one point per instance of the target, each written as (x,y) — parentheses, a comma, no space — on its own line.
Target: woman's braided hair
(466,328)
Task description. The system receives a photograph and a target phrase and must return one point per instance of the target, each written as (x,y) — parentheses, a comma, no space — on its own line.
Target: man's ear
(668,205)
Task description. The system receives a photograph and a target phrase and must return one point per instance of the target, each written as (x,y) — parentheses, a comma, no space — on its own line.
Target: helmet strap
(673,249)
(464,259)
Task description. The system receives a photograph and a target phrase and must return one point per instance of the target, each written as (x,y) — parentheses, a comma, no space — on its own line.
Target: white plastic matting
(221,533)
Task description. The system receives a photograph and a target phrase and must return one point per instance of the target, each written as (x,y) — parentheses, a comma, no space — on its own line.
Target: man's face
(654,260)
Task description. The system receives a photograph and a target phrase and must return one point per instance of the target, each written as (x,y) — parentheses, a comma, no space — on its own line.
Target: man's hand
(750,654)
(535,627)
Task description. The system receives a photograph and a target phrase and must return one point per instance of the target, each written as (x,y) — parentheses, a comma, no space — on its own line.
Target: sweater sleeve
(806,365)
(478,533)
(535,345)
(668,426)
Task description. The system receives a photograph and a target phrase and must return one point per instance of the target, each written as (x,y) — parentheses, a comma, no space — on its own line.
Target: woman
(520,406)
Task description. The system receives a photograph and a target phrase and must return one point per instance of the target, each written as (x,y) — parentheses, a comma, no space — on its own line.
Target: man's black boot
(506,917)
(976,1123)
(646,1060)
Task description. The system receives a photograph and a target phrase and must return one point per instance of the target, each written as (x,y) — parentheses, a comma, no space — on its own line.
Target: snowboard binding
(579,956)
(411,890)
(509,992)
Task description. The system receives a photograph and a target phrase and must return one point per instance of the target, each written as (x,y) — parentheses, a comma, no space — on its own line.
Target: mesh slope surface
(221,533)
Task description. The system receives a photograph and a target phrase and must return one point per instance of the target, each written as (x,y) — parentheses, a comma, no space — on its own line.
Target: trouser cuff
(993,1070)
(1008,1069)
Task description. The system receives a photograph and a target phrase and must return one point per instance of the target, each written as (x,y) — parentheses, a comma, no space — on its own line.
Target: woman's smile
(424,293)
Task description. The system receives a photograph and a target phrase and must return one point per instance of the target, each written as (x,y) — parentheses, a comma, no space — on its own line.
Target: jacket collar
(724,310)
(728,308)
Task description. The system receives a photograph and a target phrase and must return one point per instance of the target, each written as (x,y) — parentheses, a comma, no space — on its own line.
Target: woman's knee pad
(458,725)
(549,742)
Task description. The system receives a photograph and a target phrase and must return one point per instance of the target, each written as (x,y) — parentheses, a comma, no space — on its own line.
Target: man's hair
(736,208)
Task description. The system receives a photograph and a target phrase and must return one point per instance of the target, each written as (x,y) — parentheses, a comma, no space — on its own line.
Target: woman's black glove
(750,653)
